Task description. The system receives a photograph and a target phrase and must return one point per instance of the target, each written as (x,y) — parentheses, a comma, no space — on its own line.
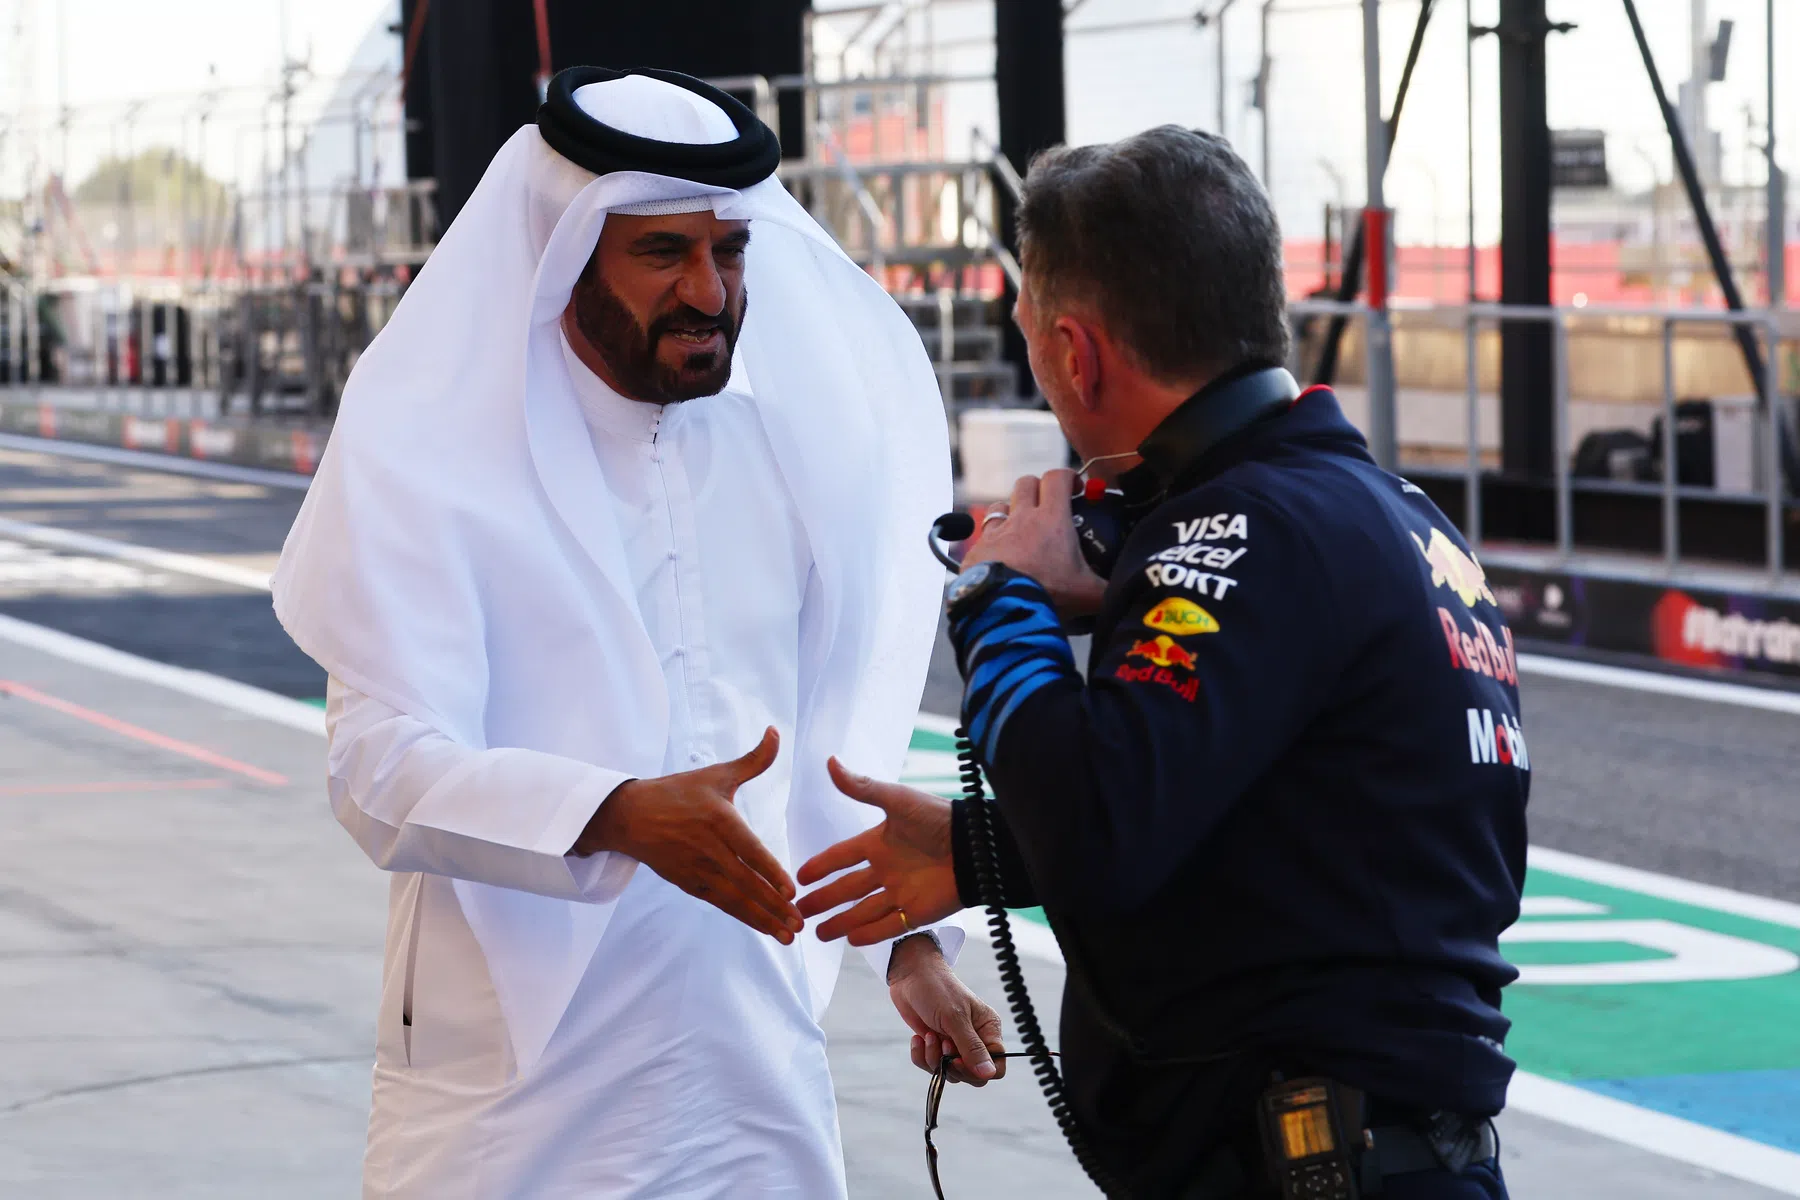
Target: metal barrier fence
(289,349)
(1776,441)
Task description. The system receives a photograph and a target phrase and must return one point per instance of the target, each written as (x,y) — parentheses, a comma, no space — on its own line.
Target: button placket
(689,596)
(668,596)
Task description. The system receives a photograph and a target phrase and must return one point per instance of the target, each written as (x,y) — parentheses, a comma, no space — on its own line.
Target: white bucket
(1000,444)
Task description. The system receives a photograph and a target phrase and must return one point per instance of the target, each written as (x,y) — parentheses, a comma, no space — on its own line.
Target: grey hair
(1165,238)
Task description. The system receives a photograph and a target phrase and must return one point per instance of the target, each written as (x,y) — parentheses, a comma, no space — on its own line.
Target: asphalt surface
(193,951)
(166,616)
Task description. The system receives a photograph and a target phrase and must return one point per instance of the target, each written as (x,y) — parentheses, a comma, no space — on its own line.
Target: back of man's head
(1168,241)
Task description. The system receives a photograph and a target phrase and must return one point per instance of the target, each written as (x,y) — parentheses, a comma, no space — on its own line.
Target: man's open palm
(904,866)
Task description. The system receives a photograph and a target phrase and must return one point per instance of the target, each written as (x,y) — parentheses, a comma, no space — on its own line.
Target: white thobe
(689,1062)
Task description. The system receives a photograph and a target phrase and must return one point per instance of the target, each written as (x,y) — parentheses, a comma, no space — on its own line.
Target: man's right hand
(687,829)
(910,877)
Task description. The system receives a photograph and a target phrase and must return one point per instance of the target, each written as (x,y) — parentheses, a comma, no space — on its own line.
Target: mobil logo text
(1497,739)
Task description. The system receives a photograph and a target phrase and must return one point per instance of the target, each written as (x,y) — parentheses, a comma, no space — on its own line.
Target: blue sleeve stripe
(1024,690)
(1028,677)
(997,637)
(1009,648)
(1001,640)
(1012,641)
(998,611)
(1002,608)
(1001,673)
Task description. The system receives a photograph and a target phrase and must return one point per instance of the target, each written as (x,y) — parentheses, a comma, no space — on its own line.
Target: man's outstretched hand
(908,866)
(687,829)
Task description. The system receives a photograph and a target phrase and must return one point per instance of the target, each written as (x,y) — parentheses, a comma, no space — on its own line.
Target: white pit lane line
(226,693)
(147,460)
(164,560)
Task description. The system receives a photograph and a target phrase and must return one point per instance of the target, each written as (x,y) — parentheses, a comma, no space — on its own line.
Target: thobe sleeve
(417,800)
(824,815)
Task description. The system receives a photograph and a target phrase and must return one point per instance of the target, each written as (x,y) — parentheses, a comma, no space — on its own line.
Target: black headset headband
(749,158)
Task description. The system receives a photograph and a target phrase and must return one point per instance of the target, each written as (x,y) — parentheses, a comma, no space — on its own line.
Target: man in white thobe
(604,572)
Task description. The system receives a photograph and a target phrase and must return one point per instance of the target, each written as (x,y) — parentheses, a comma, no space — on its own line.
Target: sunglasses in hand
(934,1098)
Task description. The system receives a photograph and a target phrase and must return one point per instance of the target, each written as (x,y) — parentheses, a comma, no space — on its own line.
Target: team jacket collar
(1193,444)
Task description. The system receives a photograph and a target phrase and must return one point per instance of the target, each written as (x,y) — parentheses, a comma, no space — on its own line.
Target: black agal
(749,158)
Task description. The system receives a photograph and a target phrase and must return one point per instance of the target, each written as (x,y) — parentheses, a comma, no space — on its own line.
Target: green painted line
(1615,1030)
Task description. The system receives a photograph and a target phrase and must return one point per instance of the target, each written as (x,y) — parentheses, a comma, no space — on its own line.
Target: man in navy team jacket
(1279,827)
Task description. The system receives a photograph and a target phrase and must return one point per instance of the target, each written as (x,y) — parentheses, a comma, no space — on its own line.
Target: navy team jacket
(1282,823)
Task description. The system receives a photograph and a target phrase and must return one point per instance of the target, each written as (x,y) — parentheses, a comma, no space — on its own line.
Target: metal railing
(1775,451)
(257,314)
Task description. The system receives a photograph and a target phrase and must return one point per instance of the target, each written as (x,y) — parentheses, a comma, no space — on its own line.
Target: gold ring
(904,923)
(992,515)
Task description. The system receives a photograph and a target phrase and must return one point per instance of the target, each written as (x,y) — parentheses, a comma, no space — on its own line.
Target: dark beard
(629,350)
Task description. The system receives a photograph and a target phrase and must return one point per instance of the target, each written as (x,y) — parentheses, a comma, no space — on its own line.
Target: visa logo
(1213,528)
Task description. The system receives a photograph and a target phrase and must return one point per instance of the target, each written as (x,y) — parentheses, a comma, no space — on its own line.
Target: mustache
(687,318)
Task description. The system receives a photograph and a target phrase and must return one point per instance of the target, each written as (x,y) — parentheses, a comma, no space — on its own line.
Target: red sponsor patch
(1187,688)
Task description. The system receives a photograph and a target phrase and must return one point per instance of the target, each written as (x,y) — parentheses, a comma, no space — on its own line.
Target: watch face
(966,583)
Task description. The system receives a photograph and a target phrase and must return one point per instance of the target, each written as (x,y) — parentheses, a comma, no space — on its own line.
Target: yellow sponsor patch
(1179,618)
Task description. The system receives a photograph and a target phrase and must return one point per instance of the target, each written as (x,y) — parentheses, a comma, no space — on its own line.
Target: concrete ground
(192,946)
(193,954)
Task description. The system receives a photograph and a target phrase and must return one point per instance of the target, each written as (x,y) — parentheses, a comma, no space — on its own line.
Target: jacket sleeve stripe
(1009,649)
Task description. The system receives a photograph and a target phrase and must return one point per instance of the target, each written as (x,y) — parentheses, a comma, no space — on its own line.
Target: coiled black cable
(984,842)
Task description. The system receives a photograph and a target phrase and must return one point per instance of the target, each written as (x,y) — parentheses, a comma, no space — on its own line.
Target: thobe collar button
(603,408)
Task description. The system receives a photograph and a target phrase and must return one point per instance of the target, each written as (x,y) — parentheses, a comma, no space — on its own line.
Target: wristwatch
(974,584)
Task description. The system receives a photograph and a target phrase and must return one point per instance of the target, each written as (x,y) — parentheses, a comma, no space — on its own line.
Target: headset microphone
(1101,523)
(947,530)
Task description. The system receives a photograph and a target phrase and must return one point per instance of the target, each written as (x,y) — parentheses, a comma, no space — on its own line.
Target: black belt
(1402,1150)
(1453,1143)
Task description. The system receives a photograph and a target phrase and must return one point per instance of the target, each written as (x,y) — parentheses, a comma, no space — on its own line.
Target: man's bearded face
(662,303)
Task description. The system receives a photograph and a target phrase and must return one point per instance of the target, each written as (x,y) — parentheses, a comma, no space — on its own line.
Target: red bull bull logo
(1163,651)
(1451,567)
